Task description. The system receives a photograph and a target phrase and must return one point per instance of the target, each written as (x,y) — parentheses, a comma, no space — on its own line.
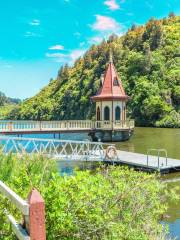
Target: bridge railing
(73,124)
(158,151)
(54,148)
(122,124)
(20,126)
(33,214)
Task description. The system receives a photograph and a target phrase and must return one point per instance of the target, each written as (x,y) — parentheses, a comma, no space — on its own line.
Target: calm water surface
(146,138)
(143,139)
(169,139)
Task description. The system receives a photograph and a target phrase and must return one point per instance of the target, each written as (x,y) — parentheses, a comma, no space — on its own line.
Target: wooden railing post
(36,224)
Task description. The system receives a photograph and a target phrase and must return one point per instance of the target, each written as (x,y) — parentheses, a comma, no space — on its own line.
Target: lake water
(169,139)
(142,140)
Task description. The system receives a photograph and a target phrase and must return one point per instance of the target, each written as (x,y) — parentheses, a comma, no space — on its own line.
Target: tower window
(98,114)
(118,113)
(116,82)
(106,113)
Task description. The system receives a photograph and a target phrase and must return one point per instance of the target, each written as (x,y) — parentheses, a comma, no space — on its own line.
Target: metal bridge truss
(57,149)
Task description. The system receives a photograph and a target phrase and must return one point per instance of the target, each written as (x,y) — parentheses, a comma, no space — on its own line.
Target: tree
(171,15)
(148,57)
(153,33)
(133,27)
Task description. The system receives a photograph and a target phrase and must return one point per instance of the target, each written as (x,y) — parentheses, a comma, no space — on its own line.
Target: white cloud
(55,55)
(104,23)
(6,66)
(31,34)
(95,40)
(76,54)
(77,34)
(69,57)
(149,5)
(56,47)
(112,4)
(35,22)
(82,44)
(130,14)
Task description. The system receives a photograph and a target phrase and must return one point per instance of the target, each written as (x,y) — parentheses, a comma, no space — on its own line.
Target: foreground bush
(113,203)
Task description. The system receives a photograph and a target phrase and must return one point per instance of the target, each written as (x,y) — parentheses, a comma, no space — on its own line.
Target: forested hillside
(6,100)
(7,105)
(147,60)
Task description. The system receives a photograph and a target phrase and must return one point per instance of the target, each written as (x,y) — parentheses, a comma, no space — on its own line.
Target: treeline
(147,60)
(7,100)
(7,106)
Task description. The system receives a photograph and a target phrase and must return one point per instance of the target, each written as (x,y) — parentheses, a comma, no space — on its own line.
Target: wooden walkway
(135,160)
(139,161)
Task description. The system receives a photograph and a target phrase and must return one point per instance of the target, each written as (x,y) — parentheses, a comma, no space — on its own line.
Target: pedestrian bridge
(56,149)
(67,150)
(13,127)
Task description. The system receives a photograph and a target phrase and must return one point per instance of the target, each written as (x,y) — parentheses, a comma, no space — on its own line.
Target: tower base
(111,135)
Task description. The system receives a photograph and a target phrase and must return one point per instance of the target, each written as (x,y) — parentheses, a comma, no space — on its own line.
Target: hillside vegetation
(147,60)
(7,105)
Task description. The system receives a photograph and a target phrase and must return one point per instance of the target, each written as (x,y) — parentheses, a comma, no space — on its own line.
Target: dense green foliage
(7,105)
(112,203)
(146,58)
(6,100)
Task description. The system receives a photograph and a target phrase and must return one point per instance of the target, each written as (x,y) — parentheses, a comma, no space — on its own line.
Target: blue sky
(38,36)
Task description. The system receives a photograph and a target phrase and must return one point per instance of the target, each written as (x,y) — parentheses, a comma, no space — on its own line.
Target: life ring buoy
(111,153)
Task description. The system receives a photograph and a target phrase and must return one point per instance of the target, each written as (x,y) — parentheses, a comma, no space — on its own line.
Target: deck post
(36,225)
(40,126)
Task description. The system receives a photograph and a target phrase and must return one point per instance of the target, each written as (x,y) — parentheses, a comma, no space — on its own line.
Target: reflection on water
(175,229)
(68,167)
(146,138)
(143,139)
(173,213)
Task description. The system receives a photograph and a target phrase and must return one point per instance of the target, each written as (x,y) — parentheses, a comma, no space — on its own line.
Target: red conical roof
(112,86)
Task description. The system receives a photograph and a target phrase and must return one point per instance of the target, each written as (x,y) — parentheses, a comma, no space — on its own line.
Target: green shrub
(171,120)
(111,203)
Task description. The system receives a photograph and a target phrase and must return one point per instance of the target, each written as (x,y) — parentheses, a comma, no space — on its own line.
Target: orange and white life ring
(111,152)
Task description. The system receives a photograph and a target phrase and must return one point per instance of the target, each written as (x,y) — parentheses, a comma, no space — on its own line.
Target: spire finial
(110,56)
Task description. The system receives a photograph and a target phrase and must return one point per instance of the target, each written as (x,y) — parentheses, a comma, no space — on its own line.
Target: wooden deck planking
(136,160)
(139,160)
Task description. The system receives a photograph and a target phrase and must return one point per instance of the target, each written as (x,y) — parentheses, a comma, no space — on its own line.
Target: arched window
(98,114)
(118,113)
(106,113)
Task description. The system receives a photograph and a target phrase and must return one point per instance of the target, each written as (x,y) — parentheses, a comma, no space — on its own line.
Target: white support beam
(20,232)
(21,204)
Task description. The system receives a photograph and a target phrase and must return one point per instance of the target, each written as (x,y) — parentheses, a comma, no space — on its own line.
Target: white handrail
(33,217)
(21,204)
(20,232)
(20,126)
